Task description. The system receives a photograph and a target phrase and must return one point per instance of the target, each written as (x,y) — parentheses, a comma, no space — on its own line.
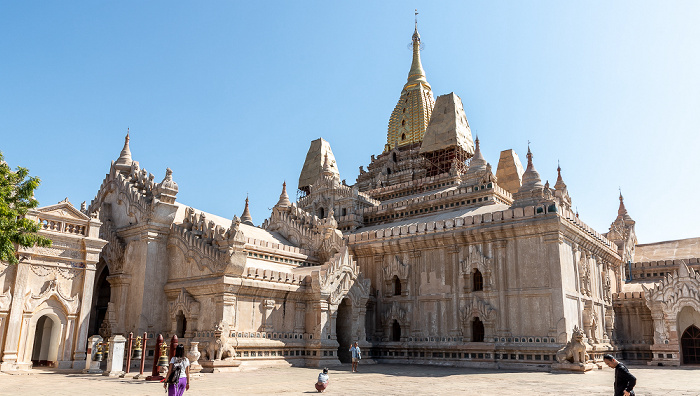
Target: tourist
(624,381)
(322,382)
(180,367)
(356,356)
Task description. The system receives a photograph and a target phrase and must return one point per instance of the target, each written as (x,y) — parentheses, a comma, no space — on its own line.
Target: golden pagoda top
(411,116)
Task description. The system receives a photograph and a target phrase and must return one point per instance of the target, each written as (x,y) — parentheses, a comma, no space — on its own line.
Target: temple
(430,257)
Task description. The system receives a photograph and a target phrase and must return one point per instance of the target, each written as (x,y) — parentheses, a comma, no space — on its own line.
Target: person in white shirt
(178,385)
(323,380)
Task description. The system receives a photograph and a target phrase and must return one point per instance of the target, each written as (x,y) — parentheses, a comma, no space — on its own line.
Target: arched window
(321,213)
(404,109)
(477,281)
(477,330)
(393,155)
(403,122)
(403,136)
(396,331)
(344,212)
(388,171)
(397,286)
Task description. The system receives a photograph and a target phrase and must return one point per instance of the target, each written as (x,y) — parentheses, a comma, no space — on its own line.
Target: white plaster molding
(32,301)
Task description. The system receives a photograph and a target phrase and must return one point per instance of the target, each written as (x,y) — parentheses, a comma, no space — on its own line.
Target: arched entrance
(396,331)
(690,345)
(101,298)
(45,345)
(343,330)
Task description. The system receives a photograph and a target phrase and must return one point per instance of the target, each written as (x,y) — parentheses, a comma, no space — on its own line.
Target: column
(84,316)
(14,320)
(115,360)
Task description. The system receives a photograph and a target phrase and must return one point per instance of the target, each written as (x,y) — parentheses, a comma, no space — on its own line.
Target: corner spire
(531,178)
(246,218)
(284,201)
(124,161)
(478,162)
(621,211)
(560,185)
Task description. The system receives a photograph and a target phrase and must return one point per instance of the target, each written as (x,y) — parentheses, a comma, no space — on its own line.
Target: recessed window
(477,281)
(403,122)
(404,109)
(403,137)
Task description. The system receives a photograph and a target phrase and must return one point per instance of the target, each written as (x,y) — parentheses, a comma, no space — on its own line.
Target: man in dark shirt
(624,381)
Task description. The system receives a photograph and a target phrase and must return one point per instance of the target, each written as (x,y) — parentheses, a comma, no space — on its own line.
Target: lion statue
(219,348)
(575,350)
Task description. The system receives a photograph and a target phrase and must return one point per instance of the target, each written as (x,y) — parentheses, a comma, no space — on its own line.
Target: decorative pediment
(63,209)
(185,303)
(395,312)
(396,267)
(478,308)
(476,259)
(52,289)
(676,290)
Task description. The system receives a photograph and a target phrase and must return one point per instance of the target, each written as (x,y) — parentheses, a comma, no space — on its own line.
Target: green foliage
(16,198)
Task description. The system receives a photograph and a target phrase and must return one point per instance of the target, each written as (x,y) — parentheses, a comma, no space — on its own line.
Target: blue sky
(229,94)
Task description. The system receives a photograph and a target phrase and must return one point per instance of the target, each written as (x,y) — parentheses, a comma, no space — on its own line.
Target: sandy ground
(384,379)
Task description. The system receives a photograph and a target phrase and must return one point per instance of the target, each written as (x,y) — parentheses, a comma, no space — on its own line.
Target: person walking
(323,380)
(179,367)
(624,380)
(356,356)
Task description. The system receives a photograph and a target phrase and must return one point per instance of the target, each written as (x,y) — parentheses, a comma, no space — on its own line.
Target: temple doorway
(343,327)
(101,298)
(44,352)
(477,330)
(690,345)
(181,324)
(396,331)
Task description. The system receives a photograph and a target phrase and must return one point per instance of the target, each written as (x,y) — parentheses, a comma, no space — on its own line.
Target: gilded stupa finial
(416,74)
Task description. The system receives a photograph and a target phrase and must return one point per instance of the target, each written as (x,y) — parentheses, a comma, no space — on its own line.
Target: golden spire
(411,116)
(416,74)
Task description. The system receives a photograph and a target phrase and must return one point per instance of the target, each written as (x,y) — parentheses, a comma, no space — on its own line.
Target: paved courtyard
(372,380)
